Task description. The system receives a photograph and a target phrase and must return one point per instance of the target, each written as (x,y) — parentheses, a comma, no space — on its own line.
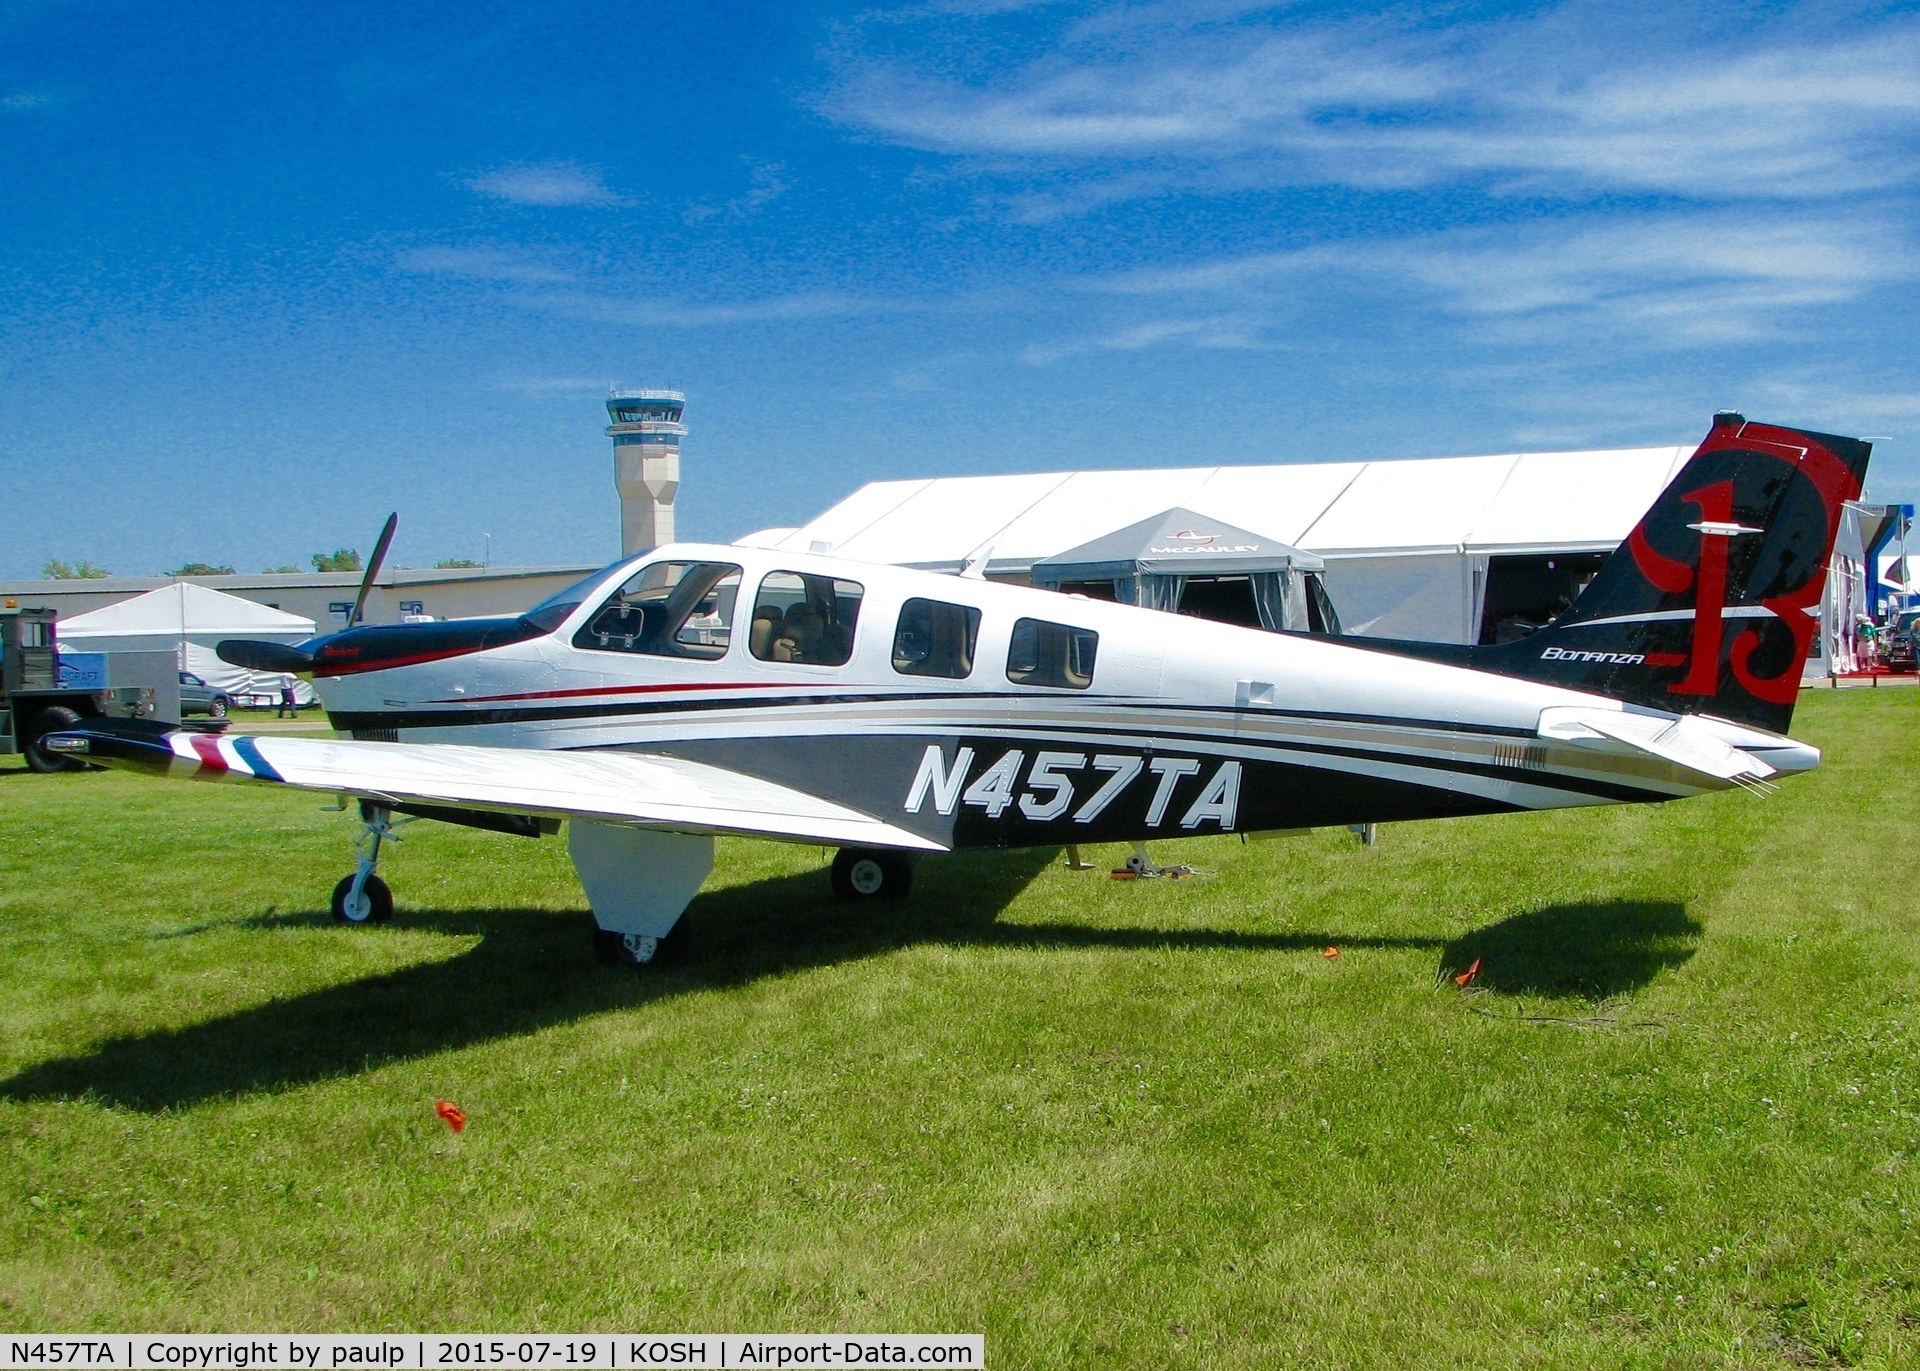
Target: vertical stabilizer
(1712,603)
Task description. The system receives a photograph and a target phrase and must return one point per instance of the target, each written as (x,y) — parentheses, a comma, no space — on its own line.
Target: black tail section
(1711,604)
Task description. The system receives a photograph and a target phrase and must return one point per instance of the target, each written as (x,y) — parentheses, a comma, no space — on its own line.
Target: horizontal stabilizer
(635,789)
(1686,741)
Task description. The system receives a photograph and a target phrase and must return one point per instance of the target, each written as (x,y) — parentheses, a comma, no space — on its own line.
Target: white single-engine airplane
(697,690)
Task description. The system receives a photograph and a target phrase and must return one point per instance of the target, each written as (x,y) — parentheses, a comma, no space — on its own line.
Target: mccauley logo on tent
(1188,535)
(1205,547)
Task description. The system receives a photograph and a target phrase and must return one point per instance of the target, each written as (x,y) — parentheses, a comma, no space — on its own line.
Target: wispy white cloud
(546,183)
(556,385)
(626,309)
(1841,400)
(1226,330)
(24,100)
(1518,106)
(766,182)
(479,264)
(1728,275)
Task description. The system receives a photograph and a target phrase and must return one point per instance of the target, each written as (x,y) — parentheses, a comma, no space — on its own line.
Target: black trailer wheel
(864,873)
(52,719)
(375,905)
(217,707)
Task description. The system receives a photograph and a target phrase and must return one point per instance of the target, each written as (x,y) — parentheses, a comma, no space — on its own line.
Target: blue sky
(269,272)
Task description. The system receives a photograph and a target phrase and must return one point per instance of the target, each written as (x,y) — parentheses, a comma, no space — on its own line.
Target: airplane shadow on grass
(532,969)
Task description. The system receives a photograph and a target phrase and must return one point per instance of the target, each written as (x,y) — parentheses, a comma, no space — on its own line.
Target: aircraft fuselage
(1074,720)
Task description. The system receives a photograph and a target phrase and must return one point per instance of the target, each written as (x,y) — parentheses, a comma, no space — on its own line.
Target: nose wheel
(623,949)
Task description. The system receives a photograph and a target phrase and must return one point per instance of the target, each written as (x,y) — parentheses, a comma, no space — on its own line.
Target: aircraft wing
(627,788)
(1686,741)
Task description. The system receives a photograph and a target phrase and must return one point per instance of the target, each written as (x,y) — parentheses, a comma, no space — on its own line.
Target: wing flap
(607,787)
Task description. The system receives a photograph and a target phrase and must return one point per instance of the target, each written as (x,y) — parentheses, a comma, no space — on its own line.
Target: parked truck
(43,692)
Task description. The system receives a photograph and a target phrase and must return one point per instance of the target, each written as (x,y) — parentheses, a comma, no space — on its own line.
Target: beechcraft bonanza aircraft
(698,690)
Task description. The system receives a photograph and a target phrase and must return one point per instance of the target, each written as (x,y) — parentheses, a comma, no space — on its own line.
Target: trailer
(43,691)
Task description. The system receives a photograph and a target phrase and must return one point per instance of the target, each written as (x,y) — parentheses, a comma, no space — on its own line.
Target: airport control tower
(646,432)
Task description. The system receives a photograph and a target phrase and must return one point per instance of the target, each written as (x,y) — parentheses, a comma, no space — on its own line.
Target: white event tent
(1410,545)
(191,620)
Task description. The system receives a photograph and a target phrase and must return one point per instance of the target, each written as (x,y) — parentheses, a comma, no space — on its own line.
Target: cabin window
(1045,654)
(934,638)
(668,609)
(805,619)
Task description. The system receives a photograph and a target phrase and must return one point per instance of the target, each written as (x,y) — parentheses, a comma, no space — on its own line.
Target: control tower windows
(1045,654)
(645,415)
(805,619)
(934,638)
(668,609)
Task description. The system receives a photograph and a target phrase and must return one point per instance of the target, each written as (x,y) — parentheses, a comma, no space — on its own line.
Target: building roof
(1516,502)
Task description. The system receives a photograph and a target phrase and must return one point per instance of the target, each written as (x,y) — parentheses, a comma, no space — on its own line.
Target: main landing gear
(866,873)
(363,897)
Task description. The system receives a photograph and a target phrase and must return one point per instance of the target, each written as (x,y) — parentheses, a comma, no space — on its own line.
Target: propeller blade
(373,566)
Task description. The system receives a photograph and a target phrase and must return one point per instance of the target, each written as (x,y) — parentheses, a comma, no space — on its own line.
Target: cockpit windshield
(551,612)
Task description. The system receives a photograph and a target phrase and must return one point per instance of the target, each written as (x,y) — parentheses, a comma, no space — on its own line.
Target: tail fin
(1711,604)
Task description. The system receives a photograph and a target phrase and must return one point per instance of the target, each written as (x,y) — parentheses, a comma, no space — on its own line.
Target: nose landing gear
(623,949)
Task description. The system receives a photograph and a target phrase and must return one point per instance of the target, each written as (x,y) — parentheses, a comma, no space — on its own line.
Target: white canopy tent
(192,620)
(1408,544)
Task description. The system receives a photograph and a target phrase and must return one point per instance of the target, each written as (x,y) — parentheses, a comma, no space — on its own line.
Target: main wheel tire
(864,873)
(52,719)
(626,949)
(375,905)
(217,707)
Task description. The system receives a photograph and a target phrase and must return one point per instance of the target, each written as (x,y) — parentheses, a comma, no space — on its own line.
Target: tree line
(340,559)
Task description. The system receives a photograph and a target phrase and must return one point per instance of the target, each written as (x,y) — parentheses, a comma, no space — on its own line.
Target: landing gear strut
(865,873)
(363,897)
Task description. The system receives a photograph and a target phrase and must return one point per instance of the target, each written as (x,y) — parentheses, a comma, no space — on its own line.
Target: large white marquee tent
(191,620)
(1409,545)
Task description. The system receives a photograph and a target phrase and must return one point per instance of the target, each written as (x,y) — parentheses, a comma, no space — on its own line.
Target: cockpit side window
(934,638)
(803,618)
(1045,654)
(668,609)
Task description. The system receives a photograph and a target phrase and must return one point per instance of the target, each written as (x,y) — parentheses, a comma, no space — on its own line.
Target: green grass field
(1108,1123)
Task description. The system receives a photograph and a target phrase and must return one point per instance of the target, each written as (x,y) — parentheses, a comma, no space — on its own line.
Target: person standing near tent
(289,705)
